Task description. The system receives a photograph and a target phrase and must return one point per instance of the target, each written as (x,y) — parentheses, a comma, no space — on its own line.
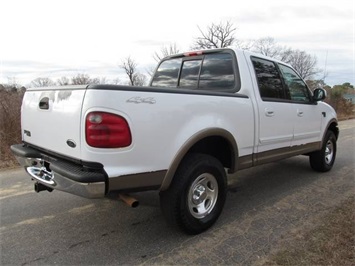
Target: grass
(330,242)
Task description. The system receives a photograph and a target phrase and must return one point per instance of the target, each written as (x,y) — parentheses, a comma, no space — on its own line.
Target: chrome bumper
(45,173)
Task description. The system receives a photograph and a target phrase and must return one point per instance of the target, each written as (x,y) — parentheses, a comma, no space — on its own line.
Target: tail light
(106,130)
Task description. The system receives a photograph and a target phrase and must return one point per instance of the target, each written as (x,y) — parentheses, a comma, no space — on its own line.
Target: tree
(317,83)
(116,81)
(84,79)
(266,46)
(12,84)
(42,82)
(337,100)
(166,51)
(140,79)
(80,79)
(303,63)
(348,86)
(10,117)
(63,81)
(130,67)
(215,36)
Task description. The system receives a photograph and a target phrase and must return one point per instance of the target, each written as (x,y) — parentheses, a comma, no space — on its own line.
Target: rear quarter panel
(161,128)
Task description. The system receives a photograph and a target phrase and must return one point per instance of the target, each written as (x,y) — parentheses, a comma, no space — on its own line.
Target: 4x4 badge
(138,99)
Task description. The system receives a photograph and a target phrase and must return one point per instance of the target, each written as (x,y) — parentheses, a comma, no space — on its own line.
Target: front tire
(323,160)
(196,197)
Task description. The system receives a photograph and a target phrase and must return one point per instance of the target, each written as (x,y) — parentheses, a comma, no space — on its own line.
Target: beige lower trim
(156,180)
(275,155)
(283,153)
(137,182)
(245,162)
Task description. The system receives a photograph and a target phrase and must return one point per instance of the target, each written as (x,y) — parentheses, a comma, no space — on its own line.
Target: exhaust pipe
(40,187)
(129,200)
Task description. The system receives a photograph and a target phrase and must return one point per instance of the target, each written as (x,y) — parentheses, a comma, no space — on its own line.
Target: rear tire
(323,160)
(196,197)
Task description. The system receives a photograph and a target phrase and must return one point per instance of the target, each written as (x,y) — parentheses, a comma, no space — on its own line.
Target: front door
(307,115)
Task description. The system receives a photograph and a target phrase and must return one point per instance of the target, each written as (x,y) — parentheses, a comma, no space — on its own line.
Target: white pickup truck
(204,114)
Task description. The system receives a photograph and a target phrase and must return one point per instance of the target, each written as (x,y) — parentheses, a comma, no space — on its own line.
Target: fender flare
(210,132)
(332,121)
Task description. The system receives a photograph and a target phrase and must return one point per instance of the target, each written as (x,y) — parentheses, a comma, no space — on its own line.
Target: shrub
(10,124)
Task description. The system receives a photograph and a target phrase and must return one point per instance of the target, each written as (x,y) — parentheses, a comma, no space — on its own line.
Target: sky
(50,39)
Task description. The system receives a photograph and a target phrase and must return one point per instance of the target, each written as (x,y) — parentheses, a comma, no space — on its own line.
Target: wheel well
(334,127)
(221,145)
(217,147)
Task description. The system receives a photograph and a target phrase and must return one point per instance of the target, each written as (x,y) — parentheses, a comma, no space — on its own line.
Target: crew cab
(205,115)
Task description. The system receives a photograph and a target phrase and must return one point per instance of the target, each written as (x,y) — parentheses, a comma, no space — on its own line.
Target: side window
(297,88)
(269,80)
(167,73)
(217,72)
(189,74)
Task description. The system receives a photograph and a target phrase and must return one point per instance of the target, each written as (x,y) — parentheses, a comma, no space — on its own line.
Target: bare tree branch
(84,79)
(42,82)
(130,67)
(303,63)
(166,51)
(139,79)
(63,81)
(216,36)
(266,46)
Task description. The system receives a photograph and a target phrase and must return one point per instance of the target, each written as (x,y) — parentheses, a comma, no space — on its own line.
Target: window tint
(217,72)
(297,88)
(269,80)
(206,72)
(189,74)
(167,73)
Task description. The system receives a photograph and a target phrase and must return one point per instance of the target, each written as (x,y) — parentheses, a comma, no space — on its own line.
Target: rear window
(167,73)
(189,74)
(207,72)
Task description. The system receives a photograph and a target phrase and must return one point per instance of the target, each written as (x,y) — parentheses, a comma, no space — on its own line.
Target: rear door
(276,115)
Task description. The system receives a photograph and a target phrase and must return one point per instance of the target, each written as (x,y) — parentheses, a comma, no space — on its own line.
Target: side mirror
(319,95)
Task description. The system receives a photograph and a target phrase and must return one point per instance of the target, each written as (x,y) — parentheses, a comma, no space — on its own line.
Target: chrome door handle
(269,112)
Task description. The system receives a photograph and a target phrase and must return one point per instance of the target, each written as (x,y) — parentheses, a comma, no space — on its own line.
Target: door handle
(299,113)
(44,103)
(269,112)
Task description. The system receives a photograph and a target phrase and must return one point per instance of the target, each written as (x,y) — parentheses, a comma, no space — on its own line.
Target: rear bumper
(60,174)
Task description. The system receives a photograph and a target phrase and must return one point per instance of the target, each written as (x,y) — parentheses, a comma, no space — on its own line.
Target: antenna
(325,67)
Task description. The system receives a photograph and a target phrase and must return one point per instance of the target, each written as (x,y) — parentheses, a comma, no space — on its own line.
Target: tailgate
(51,118)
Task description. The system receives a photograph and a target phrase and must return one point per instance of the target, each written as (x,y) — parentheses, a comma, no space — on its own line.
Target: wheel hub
(329,152)
(203,195)
(199,194)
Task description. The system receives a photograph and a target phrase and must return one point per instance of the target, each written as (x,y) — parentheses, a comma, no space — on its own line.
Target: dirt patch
(326,240)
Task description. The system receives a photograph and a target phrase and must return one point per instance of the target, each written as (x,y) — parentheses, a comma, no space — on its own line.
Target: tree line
(215,35)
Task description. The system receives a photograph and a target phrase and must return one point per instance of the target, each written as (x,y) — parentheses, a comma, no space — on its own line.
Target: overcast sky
(63,38)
